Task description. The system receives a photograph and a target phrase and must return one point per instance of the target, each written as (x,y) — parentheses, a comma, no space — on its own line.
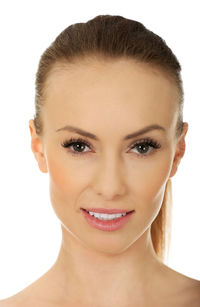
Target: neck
(84,274)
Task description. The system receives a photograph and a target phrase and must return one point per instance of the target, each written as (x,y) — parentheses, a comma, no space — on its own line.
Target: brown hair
(112,37)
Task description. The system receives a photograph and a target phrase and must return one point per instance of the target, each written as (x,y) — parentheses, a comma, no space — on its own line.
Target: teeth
(102,216)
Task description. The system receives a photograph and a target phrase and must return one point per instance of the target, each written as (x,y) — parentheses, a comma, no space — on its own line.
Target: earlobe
(37,148)
(177,159)
(42,164)
(40,158)
(180,151)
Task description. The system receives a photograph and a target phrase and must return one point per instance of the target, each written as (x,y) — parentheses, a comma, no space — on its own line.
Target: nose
(110,180)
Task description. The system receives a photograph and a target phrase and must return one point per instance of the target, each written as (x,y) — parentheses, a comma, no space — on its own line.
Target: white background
(30,234)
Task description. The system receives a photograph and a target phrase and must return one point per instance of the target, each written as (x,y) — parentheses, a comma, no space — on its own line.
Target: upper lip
(108,211)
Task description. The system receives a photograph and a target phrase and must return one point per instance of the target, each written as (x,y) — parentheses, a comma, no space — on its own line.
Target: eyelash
(147,141)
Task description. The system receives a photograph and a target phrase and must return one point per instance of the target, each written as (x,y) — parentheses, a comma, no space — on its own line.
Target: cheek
(149,192)
(151,181)
(64,181)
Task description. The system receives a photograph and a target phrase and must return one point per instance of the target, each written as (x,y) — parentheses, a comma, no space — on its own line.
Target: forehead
(98,89)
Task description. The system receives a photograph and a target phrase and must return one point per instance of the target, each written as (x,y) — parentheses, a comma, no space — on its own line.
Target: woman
(109,131)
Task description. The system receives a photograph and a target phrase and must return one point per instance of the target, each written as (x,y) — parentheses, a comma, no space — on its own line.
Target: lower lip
(106,225)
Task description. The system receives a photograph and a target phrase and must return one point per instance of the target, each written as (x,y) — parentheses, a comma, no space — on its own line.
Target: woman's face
(109,100)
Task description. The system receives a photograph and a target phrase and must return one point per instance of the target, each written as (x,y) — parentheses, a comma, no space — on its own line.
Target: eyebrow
(94,137)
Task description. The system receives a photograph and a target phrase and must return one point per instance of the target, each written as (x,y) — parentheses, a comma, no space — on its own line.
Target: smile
(106,222)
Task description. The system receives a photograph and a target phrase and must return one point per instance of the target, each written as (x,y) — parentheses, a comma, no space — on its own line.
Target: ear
(180,150)
(37,148)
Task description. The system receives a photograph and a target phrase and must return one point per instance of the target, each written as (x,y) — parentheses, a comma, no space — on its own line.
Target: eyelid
(148,140)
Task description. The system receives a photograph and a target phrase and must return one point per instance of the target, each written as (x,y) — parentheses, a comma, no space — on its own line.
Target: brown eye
(143,148)
(144,145)
(78,145)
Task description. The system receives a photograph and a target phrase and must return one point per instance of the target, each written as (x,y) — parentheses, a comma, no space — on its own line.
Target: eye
(142,146)
(77,144)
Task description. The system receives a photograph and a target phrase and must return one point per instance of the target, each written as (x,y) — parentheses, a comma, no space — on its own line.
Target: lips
(107,225)
(108,211)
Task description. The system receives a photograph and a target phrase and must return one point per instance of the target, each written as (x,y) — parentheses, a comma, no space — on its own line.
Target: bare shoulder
(186,282)
(13,301)
(189,294)
(192,291)
(8,303)
(26,297)
(19,301)
(36,294)
(39,293)
(23,299)
(183,289)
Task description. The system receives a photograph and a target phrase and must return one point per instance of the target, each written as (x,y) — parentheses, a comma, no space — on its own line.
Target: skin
(109,99)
